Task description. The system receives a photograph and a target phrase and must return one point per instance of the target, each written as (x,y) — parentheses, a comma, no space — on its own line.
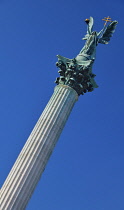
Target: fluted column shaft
(31,162)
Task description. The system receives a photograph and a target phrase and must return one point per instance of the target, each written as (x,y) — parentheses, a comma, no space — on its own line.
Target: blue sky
(86,169)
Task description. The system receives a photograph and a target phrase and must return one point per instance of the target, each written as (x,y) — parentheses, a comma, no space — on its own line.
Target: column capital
(77,75)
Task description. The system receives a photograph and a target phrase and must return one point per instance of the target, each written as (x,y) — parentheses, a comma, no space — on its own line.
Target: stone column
(30,164)
(76,78)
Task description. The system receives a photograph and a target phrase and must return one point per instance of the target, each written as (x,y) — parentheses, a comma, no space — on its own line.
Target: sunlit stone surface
(31,162)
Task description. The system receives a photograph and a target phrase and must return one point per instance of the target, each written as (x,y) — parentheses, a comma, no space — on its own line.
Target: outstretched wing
(107,34)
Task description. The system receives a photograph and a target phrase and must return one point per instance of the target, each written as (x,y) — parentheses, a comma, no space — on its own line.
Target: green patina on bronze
(77,72)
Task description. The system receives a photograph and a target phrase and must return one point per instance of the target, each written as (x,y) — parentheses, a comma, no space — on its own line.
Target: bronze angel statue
(88,52)
(77,72)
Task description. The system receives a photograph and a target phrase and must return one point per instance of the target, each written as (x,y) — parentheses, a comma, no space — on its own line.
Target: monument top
(77,72)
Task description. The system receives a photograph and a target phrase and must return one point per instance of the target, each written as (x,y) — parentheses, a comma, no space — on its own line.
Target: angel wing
(107,34)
